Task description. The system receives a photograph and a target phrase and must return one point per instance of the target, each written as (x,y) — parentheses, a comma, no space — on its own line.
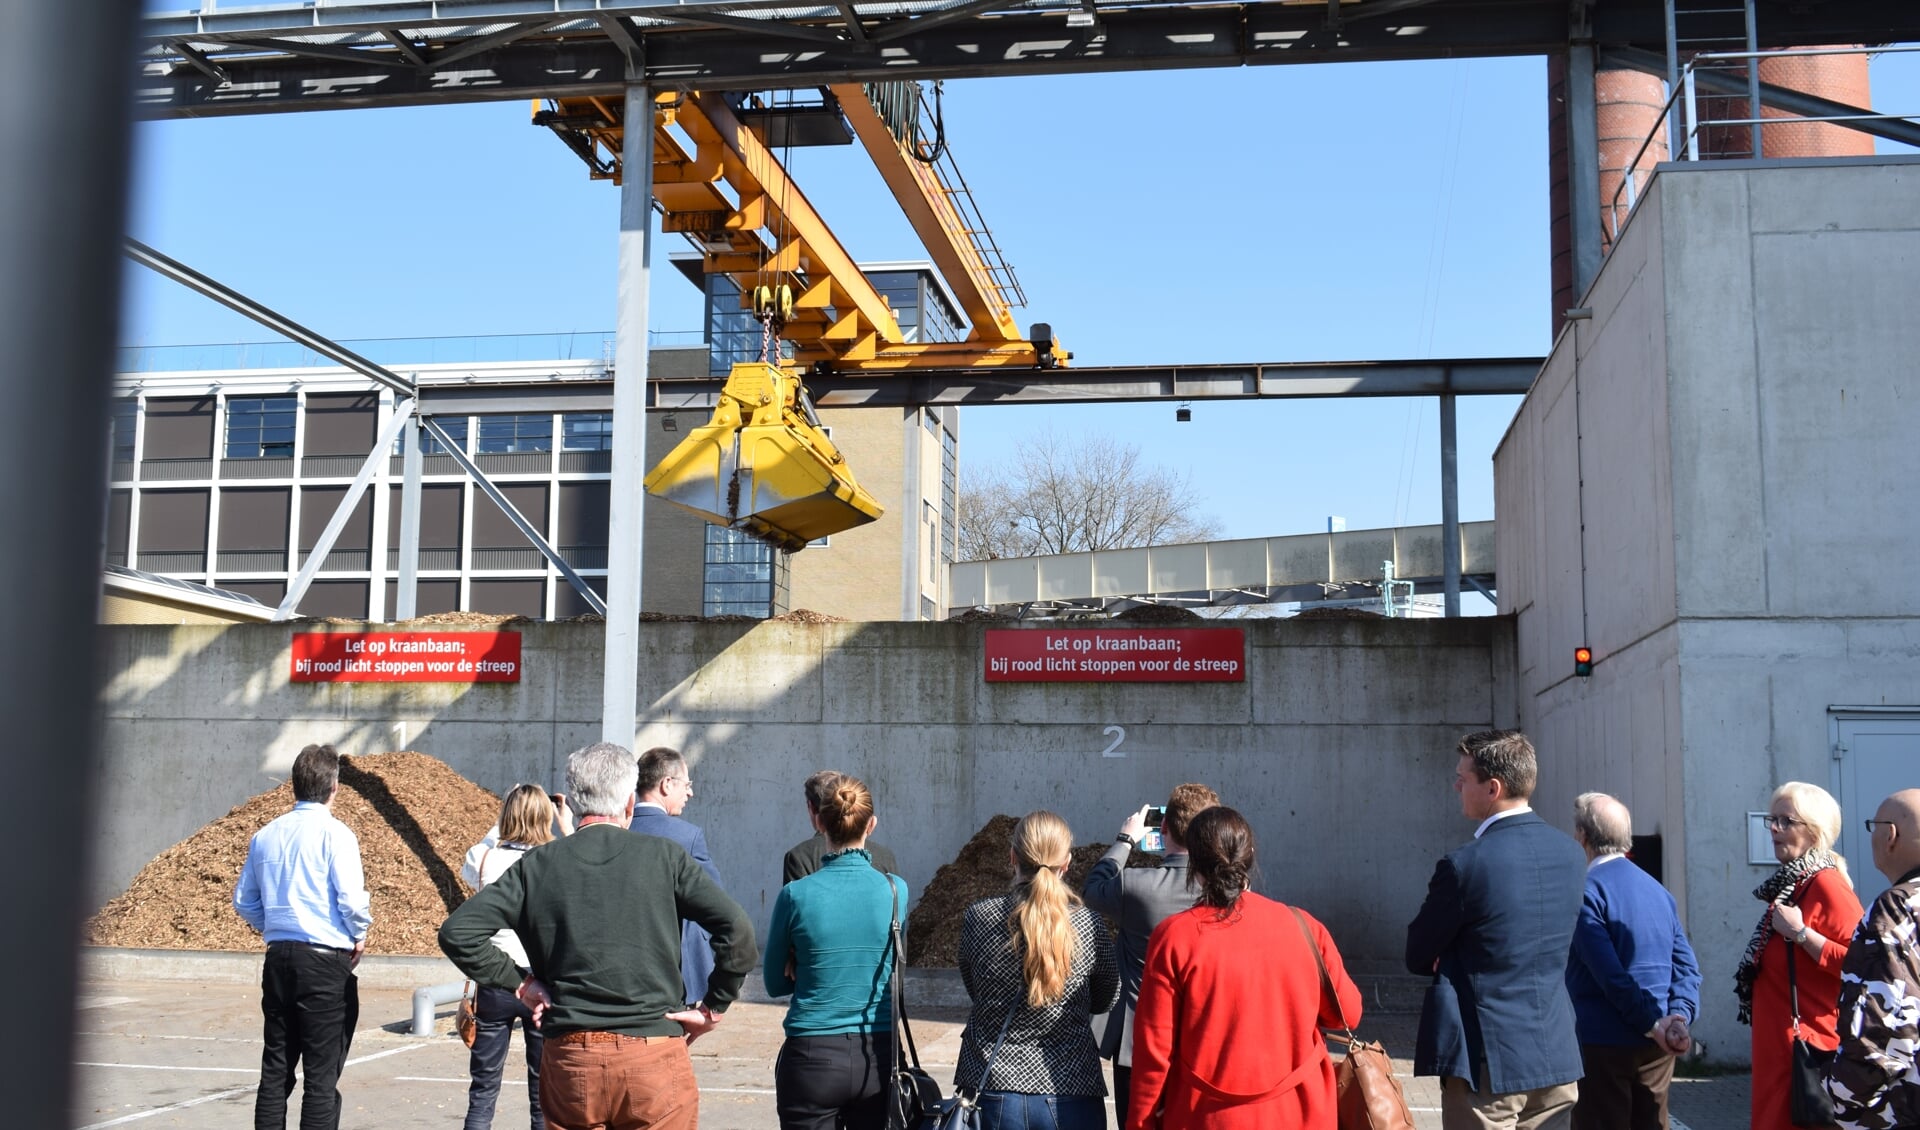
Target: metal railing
(1689,97)
(595,345)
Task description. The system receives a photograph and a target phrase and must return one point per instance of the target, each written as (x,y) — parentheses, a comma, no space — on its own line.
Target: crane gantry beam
(719,184)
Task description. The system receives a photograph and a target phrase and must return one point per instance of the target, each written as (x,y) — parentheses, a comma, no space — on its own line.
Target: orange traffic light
(1583,661)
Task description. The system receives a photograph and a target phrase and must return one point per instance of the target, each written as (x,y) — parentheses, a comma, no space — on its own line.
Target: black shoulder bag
(912,1094)
(1808,1104)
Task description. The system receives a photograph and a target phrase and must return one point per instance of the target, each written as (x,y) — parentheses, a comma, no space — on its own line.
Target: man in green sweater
(599,914)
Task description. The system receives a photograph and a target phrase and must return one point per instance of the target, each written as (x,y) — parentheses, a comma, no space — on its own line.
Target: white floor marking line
(163,1067)
(231,1092)
(462,1080)
(137,1116)
(150,1036)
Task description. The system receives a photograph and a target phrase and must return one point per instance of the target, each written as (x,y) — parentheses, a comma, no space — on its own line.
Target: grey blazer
(1138,899)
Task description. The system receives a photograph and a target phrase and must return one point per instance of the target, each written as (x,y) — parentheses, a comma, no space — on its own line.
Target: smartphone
(1155,840)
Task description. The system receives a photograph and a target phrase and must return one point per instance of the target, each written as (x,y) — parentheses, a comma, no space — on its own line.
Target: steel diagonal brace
(239,303)
(402,412)
(454,447)
(800,221)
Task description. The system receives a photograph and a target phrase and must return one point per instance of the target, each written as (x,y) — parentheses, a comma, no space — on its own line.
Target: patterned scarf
(1775,891)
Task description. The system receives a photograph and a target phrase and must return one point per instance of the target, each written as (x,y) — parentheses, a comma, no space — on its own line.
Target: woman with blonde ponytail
(1037,965)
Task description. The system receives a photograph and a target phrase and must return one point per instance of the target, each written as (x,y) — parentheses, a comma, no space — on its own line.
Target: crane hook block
(763,465)
(773,302)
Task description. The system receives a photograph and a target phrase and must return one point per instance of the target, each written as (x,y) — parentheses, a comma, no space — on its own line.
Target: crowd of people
(1562,985)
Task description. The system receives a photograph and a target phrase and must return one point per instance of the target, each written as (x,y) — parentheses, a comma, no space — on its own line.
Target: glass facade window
(506,435)
(586,431)
(260,427)
(743,576)
(949,496)
(456,429)
(120,424)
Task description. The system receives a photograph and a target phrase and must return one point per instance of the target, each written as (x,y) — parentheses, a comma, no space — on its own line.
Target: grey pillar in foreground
(62,216)
(1450,503)
(621,665)
(1583,167)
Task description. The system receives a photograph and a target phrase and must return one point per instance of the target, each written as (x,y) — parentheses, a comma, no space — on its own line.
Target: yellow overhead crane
(762,464)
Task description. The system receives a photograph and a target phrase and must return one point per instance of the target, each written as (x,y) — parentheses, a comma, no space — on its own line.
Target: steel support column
(1450,504)
(407,597)
(62,211)
(1583,167)
(620,665)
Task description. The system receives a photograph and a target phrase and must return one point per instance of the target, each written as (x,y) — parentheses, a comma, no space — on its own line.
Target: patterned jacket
(1874,1080)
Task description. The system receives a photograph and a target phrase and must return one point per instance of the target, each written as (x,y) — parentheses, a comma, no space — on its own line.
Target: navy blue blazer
(1632,963)
(1496,928)
(696,952)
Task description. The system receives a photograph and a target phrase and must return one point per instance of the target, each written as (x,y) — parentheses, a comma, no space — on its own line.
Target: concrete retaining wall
(1337,746)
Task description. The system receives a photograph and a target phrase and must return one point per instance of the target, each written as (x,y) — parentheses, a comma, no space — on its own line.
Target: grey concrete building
(1709,485)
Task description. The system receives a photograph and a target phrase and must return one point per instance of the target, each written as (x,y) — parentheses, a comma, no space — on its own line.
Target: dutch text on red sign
(406,657)
(1168,655)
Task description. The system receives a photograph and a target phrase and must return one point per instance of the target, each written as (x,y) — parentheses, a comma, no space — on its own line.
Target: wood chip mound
(415,818)
(982,870)
(1159,614)
(459,619)
(1337,614)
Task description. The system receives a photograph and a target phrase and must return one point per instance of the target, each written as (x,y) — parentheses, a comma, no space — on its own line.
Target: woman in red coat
(1227,1032)
(1811,912)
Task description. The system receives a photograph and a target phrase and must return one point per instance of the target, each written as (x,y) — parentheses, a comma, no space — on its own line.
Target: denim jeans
(310,1001)
(1011,1110)
(496,1010)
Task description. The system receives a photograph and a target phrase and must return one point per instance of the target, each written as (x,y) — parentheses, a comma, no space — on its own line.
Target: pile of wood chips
(415,818)
(982,870)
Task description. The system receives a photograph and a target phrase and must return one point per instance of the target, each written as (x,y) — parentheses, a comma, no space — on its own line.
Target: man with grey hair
(1633,978)
(599,914)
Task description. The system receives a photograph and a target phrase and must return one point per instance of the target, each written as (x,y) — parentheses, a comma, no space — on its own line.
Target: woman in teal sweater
(828,946)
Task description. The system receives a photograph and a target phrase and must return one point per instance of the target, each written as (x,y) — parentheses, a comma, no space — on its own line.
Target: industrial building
(225,471)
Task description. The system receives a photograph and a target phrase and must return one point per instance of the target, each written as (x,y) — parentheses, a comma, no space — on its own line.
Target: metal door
(1875,753)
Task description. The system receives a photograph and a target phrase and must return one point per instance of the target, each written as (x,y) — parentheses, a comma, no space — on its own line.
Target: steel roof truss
(486,43)
(742,23)
(404,46)
(319,51)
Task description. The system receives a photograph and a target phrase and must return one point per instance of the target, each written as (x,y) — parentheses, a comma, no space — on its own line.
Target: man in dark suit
(1495,932)
(803,858)
(1138,899)
(665,786)
(1634,981)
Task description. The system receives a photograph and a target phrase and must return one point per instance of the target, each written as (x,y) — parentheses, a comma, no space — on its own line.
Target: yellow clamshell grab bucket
(764,465)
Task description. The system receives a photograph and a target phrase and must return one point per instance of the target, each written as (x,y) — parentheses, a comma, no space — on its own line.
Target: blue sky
(1359,211)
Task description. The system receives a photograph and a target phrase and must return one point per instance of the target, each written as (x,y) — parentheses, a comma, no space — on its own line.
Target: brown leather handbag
(1370,1097)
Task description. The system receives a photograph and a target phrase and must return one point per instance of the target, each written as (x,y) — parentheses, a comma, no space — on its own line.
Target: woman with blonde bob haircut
(527,819)
(1037,965)
(1811,912)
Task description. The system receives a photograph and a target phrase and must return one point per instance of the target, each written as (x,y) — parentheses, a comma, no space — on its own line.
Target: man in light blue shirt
(302,888)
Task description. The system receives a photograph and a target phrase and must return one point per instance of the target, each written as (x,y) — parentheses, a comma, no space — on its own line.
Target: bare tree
(1061,497)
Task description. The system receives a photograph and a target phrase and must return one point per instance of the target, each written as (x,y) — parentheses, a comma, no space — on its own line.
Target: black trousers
(1625,1088)
(1122,1082)
(311,1002)
(833,1082)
